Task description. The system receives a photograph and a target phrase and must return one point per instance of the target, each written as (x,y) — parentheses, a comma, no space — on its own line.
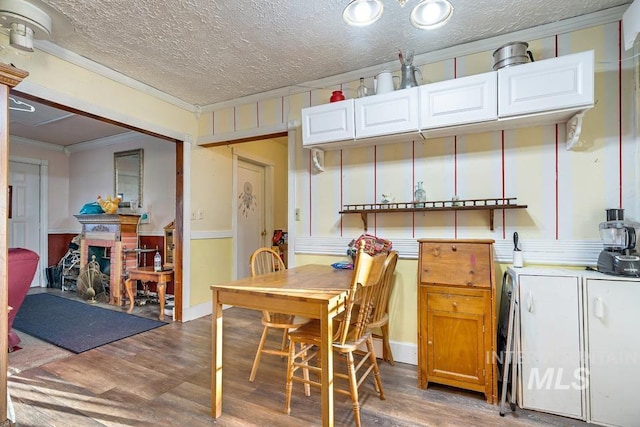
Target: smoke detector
(24,21)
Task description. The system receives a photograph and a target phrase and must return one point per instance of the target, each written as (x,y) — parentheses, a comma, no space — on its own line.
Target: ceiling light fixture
(426,15)
(362,12)
(24,22)
(430,14)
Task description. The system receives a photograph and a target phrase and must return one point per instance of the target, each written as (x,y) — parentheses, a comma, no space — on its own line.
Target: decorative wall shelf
(489,205)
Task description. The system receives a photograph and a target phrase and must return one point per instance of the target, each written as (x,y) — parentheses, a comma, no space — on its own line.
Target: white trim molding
(206,235)
(544,252)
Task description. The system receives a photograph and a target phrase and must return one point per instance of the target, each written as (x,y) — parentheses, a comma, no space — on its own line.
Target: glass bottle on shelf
(362,89)
(419,195)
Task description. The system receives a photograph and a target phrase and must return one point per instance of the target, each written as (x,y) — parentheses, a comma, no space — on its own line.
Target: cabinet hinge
(483,329)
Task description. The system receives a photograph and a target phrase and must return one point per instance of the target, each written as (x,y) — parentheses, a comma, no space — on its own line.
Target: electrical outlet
(193,216)
(297,214)
(200,214)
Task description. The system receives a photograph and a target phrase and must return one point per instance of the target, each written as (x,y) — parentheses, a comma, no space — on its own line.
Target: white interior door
(250,213)
(24,224)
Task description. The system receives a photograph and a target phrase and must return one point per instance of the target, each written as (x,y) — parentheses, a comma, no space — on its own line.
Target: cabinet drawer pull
(454,248)
(530,302)
(455,304)
(430,342)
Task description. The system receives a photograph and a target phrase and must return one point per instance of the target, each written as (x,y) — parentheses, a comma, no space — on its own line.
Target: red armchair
(22,268)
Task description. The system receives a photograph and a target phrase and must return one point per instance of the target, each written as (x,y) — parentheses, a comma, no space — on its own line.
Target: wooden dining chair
(350,336)
(263,261)
(381,309)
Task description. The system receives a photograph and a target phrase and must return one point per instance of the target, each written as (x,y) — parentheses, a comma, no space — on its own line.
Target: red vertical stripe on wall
(413,180)
(455,161)
(502,166)
(310,196)
(310,175)
(455,182)
(557,171)
(341,192)
(557,183)
(375,185)
(620,107)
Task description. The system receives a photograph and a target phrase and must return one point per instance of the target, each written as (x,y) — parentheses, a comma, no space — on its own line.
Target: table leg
(326,362)
(161,288)
(128,284)
(216,354)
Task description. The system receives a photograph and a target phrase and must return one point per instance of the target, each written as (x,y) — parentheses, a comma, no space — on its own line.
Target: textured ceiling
(206,51)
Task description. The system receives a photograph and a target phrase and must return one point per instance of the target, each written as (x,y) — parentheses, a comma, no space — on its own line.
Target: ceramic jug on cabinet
(383,83)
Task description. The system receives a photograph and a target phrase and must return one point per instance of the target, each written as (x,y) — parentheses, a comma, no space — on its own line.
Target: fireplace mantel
(116,232)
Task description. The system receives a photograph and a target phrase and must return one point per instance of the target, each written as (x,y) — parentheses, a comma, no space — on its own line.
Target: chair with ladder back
(263,261)
(350,337)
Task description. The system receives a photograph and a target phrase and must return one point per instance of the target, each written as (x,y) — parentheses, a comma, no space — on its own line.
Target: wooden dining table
(313,291)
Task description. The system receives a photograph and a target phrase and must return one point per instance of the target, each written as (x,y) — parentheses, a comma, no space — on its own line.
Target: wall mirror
(128,170)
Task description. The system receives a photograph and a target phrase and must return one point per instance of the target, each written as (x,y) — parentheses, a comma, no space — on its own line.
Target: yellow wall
(210,261)
(515,163)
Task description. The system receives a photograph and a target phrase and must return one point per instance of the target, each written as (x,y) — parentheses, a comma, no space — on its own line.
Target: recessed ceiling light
(430,14)
(362,12)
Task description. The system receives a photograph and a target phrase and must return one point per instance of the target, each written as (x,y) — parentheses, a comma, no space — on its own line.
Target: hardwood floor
(162,378)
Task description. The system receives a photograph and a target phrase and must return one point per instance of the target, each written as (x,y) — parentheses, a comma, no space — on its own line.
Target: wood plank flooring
(162,378)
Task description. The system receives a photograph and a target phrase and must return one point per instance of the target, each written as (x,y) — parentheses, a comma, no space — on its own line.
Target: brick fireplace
(116,233)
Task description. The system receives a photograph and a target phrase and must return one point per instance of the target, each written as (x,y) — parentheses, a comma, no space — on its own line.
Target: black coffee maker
(619,256)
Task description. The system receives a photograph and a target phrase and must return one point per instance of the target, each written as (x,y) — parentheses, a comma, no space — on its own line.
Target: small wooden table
(146,274)
(313,291)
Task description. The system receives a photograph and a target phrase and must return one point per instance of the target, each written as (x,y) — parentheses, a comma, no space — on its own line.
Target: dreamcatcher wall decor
(248,200)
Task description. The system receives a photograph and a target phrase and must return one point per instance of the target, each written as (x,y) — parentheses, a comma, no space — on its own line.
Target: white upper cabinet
(386,114)
(327,123)
(460,101)
(559,83)
(555,90)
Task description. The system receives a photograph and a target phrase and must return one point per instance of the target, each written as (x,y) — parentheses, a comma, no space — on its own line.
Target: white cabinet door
(389,113)
(327,123)
(460,101)
(550,335)
(613,322)
(552,84)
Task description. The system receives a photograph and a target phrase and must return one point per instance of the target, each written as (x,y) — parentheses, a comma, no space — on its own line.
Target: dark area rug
(76,326)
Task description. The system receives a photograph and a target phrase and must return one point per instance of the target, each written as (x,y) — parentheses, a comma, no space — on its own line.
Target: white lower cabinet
(613,339)
(551,348)
(579,344)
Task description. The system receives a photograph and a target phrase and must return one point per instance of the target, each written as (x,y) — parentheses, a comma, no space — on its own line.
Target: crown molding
(489,44)
(39,144)
(567,25)
(81,61)
(103,142)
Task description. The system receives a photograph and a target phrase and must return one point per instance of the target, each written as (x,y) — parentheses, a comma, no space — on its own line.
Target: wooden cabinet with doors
(457,315)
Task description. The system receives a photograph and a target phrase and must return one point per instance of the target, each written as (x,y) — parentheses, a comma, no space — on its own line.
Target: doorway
(59,116)
(250,213)
(27,224)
